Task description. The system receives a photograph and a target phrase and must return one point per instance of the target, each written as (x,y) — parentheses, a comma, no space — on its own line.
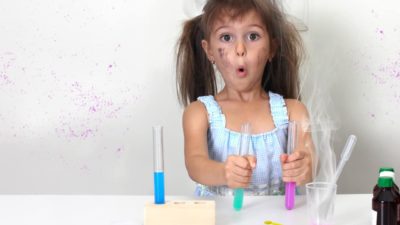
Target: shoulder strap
(278,109)
(215,116)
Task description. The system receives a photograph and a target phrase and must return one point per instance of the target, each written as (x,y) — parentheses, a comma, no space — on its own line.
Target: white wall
(354,52)
(82,83)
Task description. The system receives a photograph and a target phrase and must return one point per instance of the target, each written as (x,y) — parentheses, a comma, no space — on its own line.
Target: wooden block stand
(193,212)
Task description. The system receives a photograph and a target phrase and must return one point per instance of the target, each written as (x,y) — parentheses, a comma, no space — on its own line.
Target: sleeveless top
(266,147)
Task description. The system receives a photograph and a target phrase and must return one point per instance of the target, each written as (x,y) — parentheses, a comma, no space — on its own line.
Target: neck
(243,96)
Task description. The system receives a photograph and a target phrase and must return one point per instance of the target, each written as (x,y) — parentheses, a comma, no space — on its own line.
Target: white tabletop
(128,210)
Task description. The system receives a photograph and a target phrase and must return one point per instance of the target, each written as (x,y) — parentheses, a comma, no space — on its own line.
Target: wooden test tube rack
(193,212)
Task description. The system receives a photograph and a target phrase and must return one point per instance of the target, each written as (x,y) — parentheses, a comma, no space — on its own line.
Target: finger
(300,179)
(292,165)
(283,158)
(234,161)
(239,180)
(242,172)
(293,172)
(242,162)
(296,156)
(252,161)
(288,179)
(233,179)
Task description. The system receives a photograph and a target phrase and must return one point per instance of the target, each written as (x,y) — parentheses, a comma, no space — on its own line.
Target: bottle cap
(387,174)
(385,182)
(386,169)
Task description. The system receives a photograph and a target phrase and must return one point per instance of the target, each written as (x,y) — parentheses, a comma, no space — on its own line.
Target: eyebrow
(257,25)
(219,28)
(251,25)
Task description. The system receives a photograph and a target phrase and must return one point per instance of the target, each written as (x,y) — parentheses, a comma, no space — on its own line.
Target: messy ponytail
(195,73)
(281,75)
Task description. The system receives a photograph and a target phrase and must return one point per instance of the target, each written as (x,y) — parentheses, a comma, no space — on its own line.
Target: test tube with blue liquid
(290,187)
(159,194)
(243,150)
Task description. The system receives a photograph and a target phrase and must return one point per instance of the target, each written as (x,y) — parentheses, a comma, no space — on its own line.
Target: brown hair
(195,74)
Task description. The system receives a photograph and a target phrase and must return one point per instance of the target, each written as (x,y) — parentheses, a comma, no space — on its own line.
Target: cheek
(224,57)
(221,52)
(262,57)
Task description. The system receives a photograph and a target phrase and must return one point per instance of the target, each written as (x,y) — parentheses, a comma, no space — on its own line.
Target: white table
(128,210)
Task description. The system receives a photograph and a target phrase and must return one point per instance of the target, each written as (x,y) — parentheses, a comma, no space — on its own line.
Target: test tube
(159,195)
(243,150)
(290,187)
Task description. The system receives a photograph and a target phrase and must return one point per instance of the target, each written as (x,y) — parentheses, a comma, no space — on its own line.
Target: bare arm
(298,166)
(200,168)
(235,172)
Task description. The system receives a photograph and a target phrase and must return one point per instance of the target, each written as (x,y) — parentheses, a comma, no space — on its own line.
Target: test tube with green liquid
(243,150)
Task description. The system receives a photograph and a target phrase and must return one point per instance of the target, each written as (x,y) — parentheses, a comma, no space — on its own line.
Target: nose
(240,49)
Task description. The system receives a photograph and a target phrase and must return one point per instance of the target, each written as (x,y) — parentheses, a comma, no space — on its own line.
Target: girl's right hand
(238,170)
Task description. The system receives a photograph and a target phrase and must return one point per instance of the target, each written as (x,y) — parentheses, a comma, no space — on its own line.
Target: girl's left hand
(296,167)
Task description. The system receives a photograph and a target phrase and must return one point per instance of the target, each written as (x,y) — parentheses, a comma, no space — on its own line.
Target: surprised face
(240,49)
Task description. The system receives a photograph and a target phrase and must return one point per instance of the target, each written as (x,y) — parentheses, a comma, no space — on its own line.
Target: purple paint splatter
(391,70)
(388,75)
(380,33)
(6,62)
(94,108)
(111,67)
(86,133)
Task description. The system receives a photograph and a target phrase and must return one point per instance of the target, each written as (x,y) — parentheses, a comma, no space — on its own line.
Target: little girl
(257,52)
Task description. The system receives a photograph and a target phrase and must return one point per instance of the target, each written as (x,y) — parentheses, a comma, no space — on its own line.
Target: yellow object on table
(271,223)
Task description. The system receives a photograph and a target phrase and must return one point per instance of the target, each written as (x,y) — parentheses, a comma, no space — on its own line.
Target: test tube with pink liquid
(290,187)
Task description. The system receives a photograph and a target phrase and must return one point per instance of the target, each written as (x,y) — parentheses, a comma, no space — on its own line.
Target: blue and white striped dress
(267,148)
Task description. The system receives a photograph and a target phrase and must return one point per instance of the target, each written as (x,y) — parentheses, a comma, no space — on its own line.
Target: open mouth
(241,71)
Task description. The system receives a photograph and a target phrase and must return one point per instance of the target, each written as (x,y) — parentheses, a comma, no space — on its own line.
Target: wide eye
(226,37)
(253,36)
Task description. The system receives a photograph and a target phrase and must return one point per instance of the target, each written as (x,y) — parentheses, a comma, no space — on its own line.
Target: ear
(206,47)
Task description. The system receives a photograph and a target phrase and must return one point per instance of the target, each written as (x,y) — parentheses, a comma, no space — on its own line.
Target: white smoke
(314,90)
